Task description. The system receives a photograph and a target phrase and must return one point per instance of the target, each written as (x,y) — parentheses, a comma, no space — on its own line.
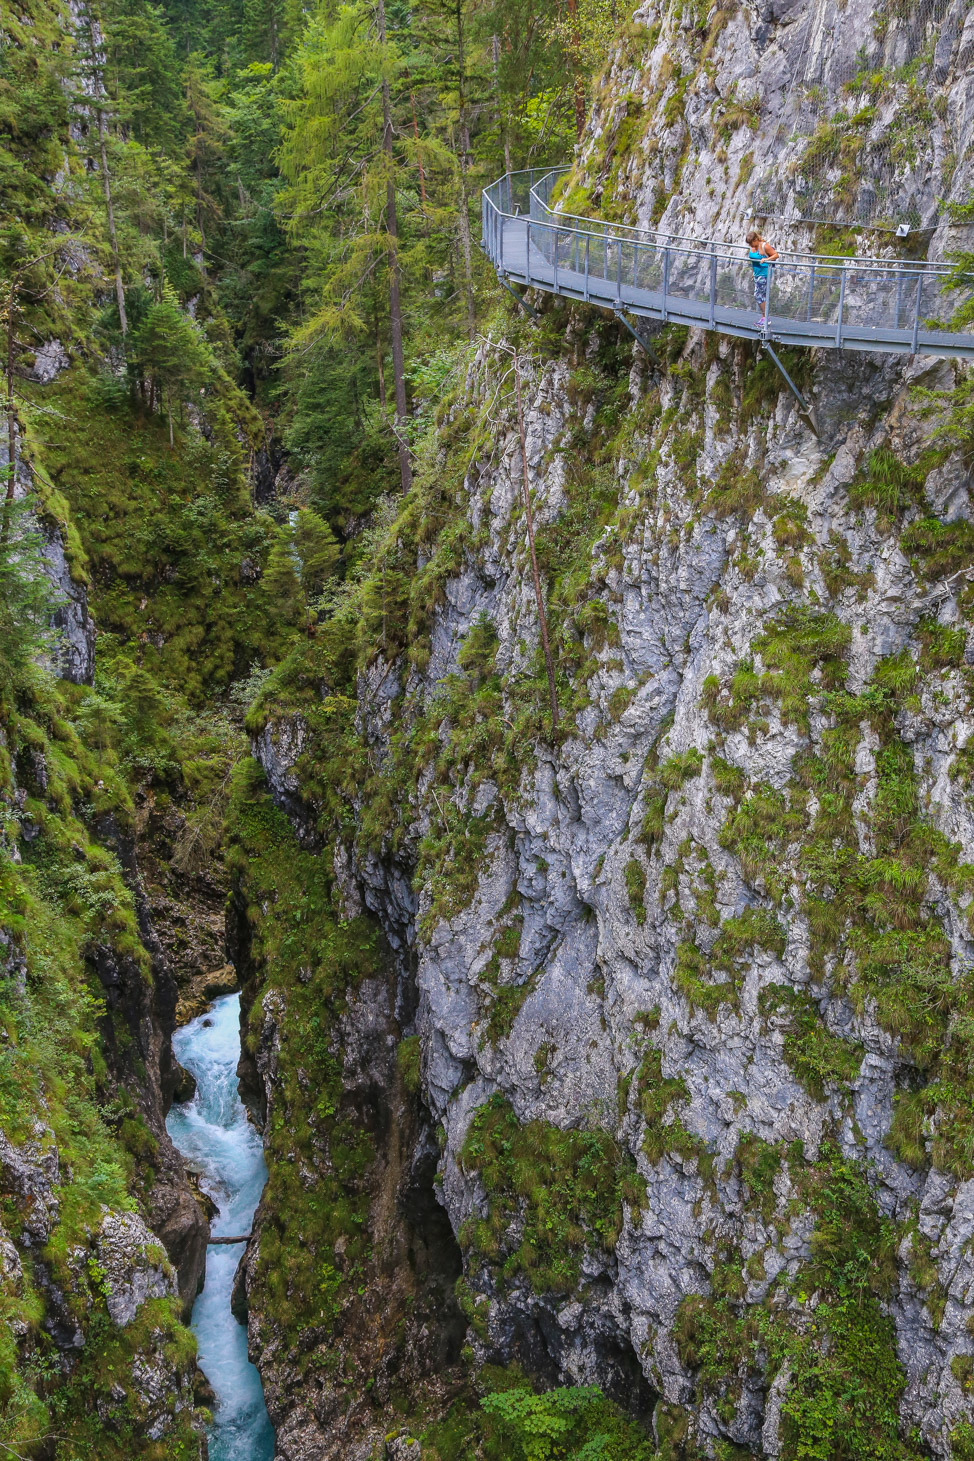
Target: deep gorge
(604,1013)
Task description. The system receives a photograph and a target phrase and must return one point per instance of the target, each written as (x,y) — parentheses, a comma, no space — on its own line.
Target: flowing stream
(213,1133)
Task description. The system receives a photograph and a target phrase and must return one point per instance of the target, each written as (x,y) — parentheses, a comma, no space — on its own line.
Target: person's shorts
(760,288)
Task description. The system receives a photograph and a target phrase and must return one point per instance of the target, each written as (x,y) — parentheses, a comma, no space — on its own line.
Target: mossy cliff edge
(112,763)
(682,990)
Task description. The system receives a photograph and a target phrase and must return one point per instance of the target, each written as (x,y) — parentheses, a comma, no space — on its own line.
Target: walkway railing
(813,299)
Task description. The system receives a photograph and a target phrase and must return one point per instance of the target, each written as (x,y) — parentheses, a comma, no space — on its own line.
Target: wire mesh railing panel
(807,294)
(944,305)
(735,287)
(888,300)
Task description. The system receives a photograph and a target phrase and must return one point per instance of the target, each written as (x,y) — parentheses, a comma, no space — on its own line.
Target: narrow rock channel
(213,1133)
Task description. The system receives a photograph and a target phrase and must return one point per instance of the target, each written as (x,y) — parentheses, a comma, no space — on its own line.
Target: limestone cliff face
(687,972)
(718,925)
(687,601)
(708,117)
(102,1248)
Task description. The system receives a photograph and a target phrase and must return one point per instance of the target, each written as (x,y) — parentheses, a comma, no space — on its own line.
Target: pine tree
(204,149)
(281,584)
(347,174)
(317,550)
(169,349)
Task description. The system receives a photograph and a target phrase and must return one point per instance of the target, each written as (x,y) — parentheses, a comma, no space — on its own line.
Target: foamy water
(212,1131)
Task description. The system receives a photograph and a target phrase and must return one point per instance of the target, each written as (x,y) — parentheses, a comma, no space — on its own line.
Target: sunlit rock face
(682,926)
(794,114)
(691,976)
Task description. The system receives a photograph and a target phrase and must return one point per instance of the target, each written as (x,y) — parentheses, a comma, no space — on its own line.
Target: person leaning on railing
(762,255)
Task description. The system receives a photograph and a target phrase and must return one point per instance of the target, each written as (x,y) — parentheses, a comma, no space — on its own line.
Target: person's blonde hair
(752,236)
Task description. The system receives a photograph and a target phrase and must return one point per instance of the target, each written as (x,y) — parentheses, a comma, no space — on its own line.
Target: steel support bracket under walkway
(518,298)
(807,411)
(643,344)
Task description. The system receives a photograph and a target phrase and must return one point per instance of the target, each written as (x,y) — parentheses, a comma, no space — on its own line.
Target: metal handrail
(541,212)
(812,299)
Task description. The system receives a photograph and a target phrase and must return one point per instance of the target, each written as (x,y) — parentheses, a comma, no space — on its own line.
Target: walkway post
(588,240)
(713,282)
(838,323)
(666,277)
(916,314)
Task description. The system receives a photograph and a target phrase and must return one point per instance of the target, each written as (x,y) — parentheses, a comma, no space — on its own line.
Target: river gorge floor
(215,1136)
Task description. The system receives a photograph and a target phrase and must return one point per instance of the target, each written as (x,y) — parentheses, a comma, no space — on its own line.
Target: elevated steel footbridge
(892,305)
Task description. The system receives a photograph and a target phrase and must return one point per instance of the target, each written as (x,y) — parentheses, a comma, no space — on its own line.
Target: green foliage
(635,875)
(512,1422)
(736,489)
(303,947)
(575,1423)
(657,1095)
(941,648)
(760,1163)
(564,546)
(937,549)
(799,641)
(759,832)
(170,537)
(838,572)
(670,776)
(63,1057)
(168,349)
(552,1194)
(888,485)
(477,652)
(408,1056)
(753,928)
(26,599)
(282,586)
(827,1324)
(816,1056)
(846,1378)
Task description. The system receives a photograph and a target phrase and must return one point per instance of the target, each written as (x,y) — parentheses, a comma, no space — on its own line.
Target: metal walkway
(891,305)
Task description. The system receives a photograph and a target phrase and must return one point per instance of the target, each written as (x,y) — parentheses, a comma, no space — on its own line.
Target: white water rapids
(213,1133)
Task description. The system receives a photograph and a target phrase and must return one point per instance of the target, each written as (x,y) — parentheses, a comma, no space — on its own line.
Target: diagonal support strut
(648,349)
(518,298)
(806,410)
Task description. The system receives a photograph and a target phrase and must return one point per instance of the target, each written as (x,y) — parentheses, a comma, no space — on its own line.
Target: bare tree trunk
(199,195)
(395,302)
(501,122)
(465,238)
(106,179)
(419,155)
(11,412)
(577,85)
(542,619)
